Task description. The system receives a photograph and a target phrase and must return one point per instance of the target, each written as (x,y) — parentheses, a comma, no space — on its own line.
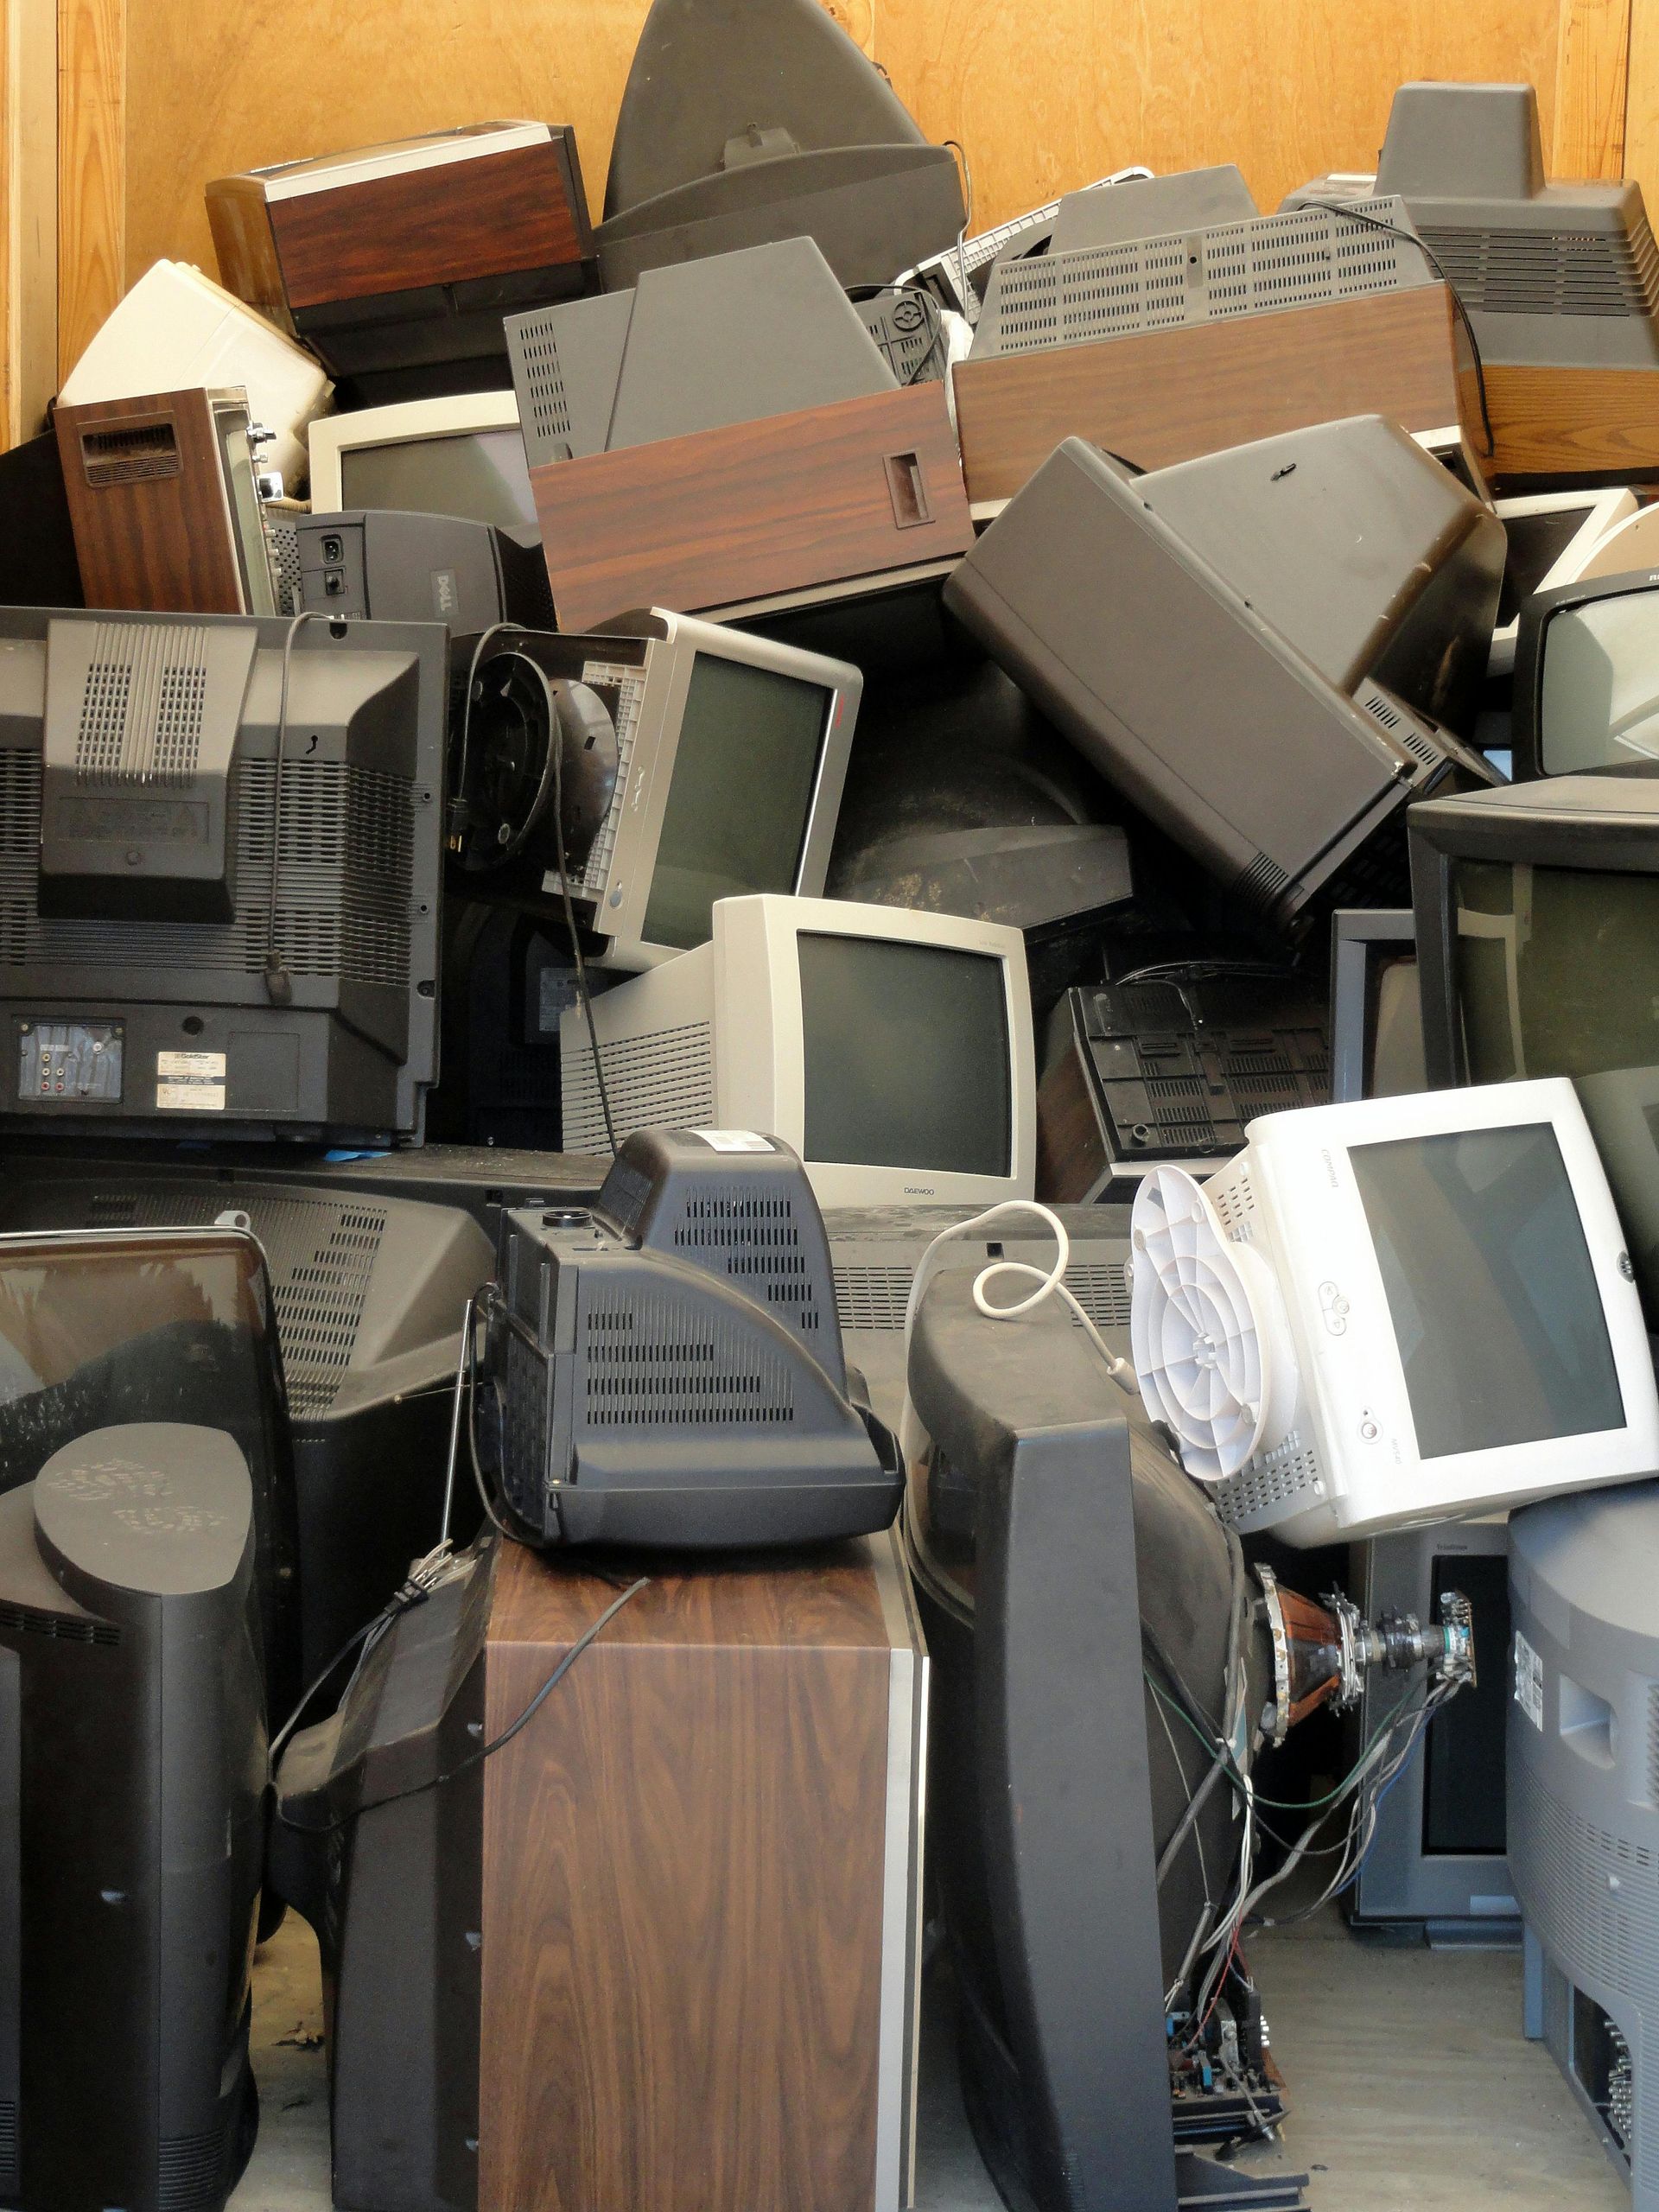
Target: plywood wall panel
(1048,93)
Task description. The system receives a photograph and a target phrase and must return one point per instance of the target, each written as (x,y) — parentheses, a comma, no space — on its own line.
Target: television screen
(1598,683)
(741,790)
(1395,1064)
(480,475)
(1536,542)
(1487,1272)
(907,1056)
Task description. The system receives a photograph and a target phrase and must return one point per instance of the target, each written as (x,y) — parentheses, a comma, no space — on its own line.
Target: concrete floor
(1409,2082)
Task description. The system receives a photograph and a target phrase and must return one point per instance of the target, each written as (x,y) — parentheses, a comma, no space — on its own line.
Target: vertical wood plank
(92,167)
(1591,71)
(1642,103)
(28,189)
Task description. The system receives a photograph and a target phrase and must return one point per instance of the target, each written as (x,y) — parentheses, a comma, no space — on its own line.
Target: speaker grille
(322,1256)
(344,888)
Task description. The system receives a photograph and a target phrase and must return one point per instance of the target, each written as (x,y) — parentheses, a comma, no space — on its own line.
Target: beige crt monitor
(892,1050)
(459,455)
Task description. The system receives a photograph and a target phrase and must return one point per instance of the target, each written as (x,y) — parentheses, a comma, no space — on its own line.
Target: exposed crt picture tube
(907,1056)
(1556,969)
(1598,684)
(741,795)
(479,475)
(1486,1269)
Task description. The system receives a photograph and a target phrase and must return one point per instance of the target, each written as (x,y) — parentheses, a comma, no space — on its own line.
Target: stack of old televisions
(1001,713)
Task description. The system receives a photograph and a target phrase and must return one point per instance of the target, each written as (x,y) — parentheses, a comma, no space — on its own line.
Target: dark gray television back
(187,946)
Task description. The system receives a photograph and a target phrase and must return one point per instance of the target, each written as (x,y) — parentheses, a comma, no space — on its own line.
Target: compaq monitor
(696,763)
(187,944)
(1376,1020)
(1269,740)
(892,1051)
(1394,1312)
(1552,536)
(1587,677)
(462,456)
(1538,936)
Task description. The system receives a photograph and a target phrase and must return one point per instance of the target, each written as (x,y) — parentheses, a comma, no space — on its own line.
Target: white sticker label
(735,1140)
(190,1083)
(1528,1681)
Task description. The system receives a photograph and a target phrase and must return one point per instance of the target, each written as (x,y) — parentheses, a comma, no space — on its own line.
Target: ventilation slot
(1302,258)
(872,1300)
(139,454)
(321,1258)
(1269,1480)
(192,2170)
(665,1080)
(1549,272)
(754,1237)
(345,905)
(540,381)
(1261,883)
(525,1439)
(284,539)
(9,2174)
(666,1361)
(62,1628)
(1235,1201)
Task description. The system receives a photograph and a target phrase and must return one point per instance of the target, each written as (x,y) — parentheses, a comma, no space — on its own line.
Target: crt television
(1440,1308)
(189,945)
(454,457)
(892,1051)
(1587,677)
(1538,927)
(696,763)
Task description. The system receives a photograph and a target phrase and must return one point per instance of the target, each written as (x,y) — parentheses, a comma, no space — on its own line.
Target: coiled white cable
(1050,1281)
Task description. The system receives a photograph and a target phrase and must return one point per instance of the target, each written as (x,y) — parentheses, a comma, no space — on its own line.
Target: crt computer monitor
(162,971)
(461,456)
(1538,929)
(1587,677)
(730,752)
(892,1051)
(1459,1330)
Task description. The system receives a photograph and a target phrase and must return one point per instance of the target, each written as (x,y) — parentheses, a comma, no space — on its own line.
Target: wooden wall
(156,96)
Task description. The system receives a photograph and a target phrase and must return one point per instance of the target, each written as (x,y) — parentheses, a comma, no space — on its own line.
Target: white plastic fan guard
(1207,1329)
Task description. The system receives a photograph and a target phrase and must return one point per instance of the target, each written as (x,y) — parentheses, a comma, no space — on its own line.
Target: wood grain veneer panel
(1574,422)
(682,1925)
(723,516)
(1165,396)
(485,217)
(161,543)
(1071,1155)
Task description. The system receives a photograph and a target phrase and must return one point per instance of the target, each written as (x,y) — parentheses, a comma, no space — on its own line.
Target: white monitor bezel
(1313,1221)
(409,423)
(1603,510)
(623,901)
(759,1048)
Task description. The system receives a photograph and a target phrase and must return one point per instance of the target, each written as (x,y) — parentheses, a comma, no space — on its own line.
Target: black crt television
(194,942)
(1586,678)
(132,1778)
(1537,910)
